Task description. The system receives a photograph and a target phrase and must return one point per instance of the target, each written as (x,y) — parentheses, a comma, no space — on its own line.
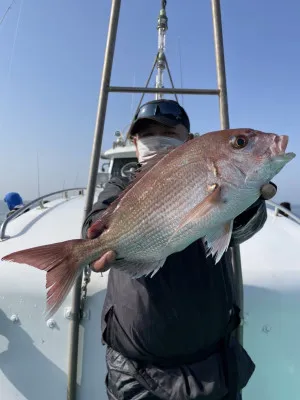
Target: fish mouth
(281,143)
(278,148)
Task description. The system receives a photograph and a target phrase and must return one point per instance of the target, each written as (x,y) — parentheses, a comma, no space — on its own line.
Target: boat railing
(277,207)
(39,200)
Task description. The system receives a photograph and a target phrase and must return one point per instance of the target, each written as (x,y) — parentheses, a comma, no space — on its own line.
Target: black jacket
(178,316)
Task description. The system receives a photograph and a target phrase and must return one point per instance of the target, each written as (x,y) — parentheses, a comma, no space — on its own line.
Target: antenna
(75,182)
(38,174)
(132,97)
(180,68)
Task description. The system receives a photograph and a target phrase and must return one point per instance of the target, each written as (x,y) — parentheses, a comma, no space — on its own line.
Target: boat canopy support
(95,156)
(132,89)
(224,120)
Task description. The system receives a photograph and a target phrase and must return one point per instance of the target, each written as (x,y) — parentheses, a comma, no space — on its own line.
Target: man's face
(179,132)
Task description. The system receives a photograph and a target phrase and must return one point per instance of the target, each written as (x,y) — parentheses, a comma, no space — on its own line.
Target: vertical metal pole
(224,117)
(220,62)
(102,104)
(101,112)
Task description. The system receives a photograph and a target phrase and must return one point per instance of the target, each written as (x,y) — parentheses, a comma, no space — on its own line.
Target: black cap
(164,111)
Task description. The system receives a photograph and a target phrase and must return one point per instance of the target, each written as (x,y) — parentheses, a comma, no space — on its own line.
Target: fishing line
(6,12)
(11,60)
(14,42)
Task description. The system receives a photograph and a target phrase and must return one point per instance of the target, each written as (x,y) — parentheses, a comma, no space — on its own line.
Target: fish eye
(239,142)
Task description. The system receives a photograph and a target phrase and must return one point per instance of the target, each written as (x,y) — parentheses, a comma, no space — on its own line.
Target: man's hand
(268,191)
(103,263)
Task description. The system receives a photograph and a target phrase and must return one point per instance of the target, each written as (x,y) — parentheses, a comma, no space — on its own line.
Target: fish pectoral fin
(139,268)
(202,208)
(217,242)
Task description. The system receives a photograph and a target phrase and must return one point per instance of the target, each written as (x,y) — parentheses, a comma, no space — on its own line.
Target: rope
(171,80)
(143,94)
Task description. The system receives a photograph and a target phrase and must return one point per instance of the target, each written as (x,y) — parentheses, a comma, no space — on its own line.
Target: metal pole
(102,105)
(129,89)
(285,210)
(239,288)
(220,63)
(162,27)
(224,117)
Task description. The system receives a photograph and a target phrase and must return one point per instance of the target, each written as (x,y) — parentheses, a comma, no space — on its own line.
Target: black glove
(268,191)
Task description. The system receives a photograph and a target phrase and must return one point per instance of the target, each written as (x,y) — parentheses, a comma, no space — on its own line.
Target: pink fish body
(194,191)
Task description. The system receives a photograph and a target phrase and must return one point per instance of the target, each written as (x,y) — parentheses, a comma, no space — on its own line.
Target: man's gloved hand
(268,191)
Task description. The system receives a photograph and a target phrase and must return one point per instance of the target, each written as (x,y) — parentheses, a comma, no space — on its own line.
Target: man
(169,337)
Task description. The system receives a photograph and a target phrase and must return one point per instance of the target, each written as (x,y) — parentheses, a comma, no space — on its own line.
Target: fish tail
(63,262)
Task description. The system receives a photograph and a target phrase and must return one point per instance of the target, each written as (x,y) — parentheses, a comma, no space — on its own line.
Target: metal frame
(224,119)
(128,89)
(101,113)
(285,210)
(22,210)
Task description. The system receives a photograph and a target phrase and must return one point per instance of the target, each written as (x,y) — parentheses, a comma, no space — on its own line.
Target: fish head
(259,156)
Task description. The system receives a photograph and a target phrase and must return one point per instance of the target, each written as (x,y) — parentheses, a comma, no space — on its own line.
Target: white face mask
(149,146)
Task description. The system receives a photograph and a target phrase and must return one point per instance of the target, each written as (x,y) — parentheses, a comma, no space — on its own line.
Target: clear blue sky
(49,89)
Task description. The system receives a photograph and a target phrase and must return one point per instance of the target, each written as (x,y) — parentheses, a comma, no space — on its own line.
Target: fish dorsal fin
(99,226)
